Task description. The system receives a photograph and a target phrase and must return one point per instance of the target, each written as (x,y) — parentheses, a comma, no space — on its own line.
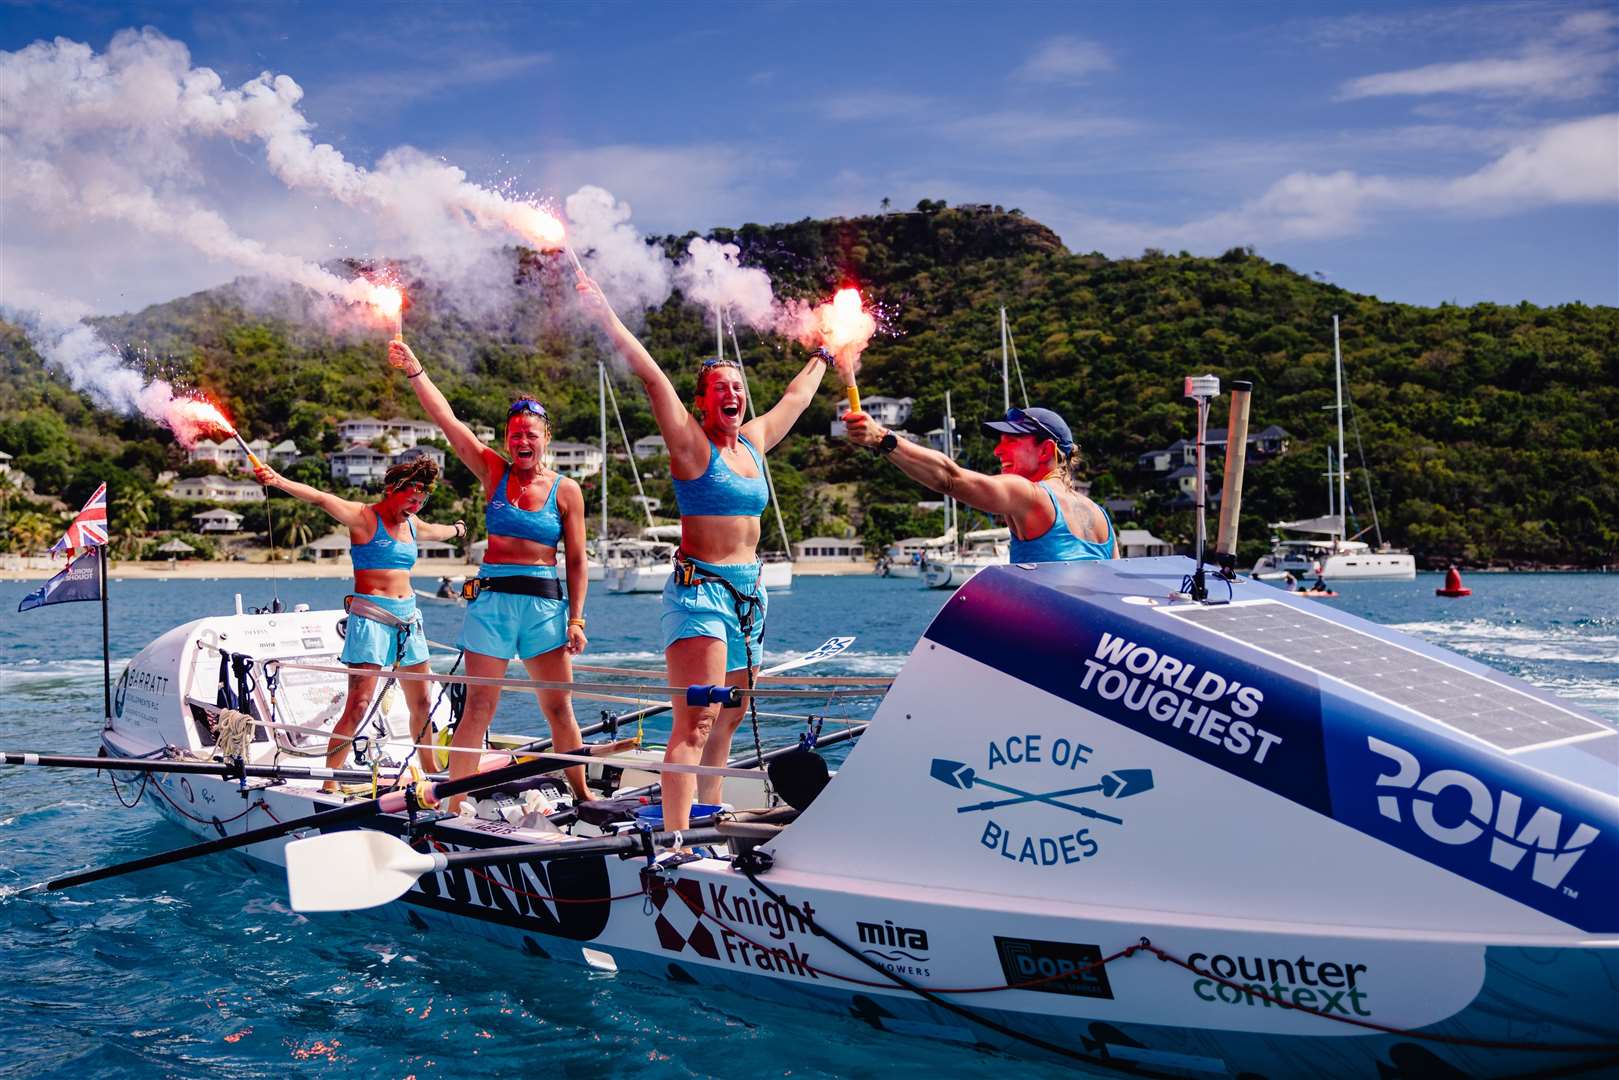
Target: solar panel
(1493,712)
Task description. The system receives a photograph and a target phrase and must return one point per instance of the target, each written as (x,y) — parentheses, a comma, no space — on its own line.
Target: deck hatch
(1495,713)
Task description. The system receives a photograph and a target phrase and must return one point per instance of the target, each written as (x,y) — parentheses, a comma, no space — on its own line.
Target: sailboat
(1338,557)
(980,547)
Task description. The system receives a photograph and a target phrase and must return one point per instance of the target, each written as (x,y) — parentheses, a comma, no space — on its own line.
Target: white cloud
(1064,59)
(672,188)
(1576,162)
(1569,62)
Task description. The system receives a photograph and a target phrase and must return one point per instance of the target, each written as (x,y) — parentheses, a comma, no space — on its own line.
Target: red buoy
(1453,585)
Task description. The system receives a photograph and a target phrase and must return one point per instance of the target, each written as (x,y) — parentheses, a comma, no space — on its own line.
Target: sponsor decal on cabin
(1054,967)
(746,930)
(1034,826)
(1474,810)
(902,950)
(1267,982)
(1199,703)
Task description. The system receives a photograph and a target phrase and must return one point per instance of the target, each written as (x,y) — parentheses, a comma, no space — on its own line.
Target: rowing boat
(1092,818)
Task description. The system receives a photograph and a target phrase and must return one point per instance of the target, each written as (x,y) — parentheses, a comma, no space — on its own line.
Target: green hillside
(1490,432)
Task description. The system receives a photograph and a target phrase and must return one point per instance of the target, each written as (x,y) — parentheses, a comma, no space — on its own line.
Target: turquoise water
(201,970)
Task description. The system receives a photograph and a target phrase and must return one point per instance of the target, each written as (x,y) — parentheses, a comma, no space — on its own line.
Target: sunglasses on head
(528,405)
(1018,416)
(719,361)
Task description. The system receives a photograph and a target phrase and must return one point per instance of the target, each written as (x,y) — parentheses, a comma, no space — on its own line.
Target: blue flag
(80,581)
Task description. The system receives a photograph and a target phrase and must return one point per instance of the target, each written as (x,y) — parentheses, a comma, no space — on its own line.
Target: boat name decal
(1054,967)
(1009,833)
(557,898)
(1327,986)
(1205,705)
(1515,831)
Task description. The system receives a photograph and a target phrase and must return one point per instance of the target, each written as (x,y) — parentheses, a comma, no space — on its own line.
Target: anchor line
(1389,1029)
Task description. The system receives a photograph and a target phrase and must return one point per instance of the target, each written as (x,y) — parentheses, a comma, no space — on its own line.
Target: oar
(391,803)
(961,776)
(361,868)
(827,649)
(1115,785)
(229,770)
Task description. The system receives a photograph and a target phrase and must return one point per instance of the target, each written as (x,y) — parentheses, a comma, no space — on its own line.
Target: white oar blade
(824,651)
(357,868)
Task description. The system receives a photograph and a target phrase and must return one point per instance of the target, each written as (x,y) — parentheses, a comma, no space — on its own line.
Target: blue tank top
(1059,544)
(720,492)
(382,551)
(503,518)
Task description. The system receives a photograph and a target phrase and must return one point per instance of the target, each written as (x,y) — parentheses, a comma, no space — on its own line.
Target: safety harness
(547,588)
(747,605)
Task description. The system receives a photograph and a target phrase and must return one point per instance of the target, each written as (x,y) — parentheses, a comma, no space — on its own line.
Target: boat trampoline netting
(1493,712)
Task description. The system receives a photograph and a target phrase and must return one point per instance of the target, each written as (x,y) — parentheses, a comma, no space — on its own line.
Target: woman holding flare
(384,628)
(713,606)
(519,608)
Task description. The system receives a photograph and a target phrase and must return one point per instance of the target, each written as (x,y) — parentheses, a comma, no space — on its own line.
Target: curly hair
(421,470)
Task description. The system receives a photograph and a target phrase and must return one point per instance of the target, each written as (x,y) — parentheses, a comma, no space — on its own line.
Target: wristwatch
(886,444)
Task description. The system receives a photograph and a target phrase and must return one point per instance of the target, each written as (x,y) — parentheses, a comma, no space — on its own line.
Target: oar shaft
(609,845)
(392,802)
(994,804)
(189,768)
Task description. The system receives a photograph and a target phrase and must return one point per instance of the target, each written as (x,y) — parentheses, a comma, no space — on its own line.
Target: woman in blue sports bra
(382,545)
(1049,520)
(713,607)
(520,609)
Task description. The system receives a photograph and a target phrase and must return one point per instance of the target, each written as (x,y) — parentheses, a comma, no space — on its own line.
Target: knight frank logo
(1026,826)
(745,930)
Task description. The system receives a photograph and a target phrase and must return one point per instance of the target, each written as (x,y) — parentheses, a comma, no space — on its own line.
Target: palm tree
(30,532)
(134,511)
(8,489)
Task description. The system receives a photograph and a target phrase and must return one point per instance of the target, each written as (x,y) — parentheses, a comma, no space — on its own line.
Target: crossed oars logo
(1119,784)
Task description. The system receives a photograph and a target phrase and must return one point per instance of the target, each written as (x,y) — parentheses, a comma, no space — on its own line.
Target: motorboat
(1252,835)
(906,558)
(642,564)
(980,548)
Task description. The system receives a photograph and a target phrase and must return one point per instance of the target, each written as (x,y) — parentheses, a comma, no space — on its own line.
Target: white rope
(233,732)
(543,684)
(787,680)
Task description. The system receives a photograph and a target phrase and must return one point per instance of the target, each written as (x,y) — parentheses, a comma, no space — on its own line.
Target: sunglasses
(717,361)
(530,406)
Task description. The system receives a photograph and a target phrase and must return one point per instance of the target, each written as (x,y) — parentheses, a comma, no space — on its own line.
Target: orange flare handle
(854,397)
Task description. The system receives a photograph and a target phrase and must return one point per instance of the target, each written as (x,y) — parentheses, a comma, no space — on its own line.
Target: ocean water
(201,969)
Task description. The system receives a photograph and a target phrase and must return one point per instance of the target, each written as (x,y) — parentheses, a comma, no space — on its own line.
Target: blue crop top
(382,551)
(1058,543)
(543,526)
(720,492)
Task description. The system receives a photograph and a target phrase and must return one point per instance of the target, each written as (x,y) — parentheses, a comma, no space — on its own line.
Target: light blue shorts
(508,625)
(368,642)
(708,610)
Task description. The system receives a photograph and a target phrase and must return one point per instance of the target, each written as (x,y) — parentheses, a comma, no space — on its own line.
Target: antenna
(1201,389)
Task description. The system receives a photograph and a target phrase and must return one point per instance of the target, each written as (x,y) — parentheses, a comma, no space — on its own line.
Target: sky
(1418,153)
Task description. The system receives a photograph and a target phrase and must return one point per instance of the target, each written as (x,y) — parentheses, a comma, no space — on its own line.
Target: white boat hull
(637,579)
(1130,800)
(776,576)
(1344,566)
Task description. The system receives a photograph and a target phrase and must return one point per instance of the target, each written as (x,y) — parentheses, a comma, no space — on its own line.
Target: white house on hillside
(829,548)
(575,459)
(887,411)
(650,446)
(216,489)
(217,521)
(359,465)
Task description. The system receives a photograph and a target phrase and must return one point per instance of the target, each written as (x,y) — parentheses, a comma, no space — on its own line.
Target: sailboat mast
(1338,365)
(753,414)
(949,452)
(601,394)
(1006,381)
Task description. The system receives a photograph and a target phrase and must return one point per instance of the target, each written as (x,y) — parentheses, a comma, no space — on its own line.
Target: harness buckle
(470,588)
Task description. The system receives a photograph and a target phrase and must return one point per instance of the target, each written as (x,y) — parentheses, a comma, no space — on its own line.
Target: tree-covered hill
(1490,432)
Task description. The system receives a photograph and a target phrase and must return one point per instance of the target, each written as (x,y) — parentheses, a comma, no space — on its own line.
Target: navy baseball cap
(1042,422)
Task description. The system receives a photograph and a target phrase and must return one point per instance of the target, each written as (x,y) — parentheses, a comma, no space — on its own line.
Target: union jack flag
(89,528)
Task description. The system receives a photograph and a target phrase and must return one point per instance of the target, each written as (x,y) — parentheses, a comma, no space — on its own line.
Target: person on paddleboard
(518,607)
(384,627)
(1034,493)
(714,605)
